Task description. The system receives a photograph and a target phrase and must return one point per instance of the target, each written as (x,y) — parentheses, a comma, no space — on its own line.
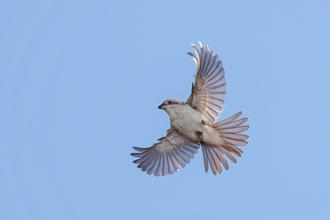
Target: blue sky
(80,82)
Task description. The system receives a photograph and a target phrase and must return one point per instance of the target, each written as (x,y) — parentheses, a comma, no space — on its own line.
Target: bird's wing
(209,91)
(167,156)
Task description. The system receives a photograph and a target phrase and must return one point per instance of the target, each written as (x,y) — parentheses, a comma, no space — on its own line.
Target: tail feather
(215,158)
(230,119)
(236,136)
(235,129)
(235,142)
(206,161)
(229,129)
(229,155)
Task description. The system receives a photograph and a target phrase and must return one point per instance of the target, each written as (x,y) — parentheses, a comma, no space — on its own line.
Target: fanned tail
(229,129)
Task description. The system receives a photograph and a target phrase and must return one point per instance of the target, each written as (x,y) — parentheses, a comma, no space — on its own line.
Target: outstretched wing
(209,92)
(167,156)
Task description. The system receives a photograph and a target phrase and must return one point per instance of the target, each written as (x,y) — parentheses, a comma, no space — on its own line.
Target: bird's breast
(187,121)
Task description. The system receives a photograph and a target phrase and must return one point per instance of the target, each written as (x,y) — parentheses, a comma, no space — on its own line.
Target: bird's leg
(205,123)
(199,135)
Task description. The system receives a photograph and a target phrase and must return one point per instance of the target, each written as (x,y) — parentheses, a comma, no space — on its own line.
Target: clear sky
(80,82)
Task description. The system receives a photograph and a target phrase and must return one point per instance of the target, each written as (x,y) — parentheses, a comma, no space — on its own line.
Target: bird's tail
(229,130)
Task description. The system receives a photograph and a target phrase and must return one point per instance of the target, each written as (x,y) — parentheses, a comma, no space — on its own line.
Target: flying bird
(193,124)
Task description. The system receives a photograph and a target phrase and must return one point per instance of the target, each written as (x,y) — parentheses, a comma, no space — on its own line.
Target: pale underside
(194,124)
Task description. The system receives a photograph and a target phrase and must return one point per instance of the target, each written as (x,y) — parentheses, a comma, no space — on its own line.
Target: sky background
(80,82)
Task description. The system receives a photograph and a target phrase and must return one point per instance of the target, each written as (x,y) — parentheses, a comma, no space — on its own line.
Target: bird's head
(169,103)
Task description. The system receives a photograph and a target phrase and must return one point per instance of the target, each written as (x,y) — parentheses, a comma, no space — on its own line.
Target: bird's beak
(161,106)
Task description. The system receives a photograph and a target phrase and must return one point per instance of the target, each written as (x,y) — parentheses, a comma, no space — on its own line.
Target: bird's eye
(169,102)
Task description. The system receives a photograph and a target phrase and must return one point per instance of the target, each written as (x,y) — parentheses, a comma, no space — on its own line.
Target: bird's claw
(205,123)
(200,135)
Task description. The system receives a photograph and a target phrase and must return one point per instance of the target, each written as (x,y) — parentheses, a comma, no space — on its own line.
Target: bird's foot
(205,123)
(199,134)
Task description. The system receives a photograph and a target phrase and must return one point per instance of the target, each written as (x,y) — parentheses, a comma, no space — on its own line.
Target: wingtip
(207,48)
(245,118)
(138,149)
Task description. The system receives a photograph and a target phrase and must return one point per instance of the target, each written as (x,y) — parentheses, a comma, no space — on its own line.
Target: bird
(193,124)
